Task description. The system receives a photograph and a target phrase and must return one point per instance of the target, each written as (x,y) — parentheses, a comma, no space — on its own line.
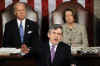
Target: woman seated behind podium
(74,33)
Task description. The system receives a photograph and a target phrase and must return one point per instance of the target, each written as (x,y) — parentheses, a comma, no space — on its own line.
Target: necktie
(52,53)
(21,32)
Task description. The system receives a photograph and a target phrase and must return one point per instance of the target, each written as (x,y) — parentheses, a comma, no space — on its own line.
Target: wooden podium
(16,60)
(87,60)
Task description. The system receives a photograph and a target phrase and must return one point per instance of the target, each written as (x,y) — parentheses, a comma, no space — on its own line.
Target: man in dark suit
(54,52)
(21,32)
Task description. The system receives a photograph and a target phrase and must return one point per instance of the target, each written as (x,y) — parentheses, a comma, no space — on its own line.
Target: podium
(89,56)
(87,60)
(16,60)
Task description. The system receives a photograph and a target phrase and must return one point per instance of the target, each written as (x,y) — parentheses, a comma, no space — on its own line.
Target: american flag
(44,8)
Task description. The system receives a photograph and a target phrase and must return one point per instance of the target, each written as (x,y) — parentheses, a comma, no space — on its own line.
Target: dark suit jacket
(62,57)
(11,36)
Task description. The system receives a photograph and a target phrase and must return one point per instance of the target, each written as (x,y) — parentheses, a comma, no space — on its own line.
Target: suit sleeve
(70,57)
(35,39)
(6,36)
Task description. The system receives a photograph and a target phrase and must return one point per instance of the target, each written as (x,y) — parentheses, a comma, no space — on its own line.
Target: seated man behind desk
(54,52)
(21,32)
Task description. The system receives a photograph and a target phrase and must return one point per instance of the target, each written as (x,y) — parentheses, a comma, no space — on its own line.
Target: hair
(55,26)
(74,13)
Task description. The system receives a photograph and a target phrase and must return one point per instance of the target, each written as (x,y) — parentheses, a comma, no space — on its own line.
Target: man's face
(20,11)
(55,36)
(69,17)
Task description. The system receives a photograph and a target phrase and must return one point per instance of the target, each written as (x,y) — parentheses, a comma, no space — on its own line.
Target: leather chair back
(57,15)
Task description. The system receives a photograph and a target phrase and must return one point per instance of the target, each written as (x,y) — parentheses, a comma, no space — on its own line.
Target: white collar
(23,22)
(50,44)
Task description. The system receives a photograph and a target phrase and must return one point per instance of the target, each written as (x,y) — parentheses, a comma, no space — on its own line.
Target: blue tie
(21,32)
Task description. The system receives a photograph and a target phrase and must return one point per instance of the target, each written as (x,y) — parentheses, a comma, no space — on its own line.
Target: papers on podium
(85,50)
(8,51)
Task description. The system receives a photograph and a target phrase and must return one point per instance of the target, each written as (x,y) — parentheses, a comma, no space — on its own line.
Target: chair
(58,13)
(8,15)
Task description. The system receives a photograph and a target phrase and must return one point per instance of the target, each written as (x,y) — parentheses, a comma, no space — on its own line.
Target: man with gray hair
(21,32)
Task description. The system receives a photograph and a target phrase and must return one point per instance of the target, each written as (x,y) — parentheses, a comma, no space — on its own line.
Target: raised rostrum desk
(16,60)
(90,60)
(89,56)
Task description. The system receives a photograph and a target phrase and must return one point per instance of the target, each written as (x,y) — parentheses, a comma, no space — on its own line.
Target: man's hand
(73,64)
(24,48)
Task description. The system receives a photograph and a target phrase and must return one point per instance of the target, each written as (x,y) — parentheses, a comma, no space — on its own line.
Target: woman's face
(69,17)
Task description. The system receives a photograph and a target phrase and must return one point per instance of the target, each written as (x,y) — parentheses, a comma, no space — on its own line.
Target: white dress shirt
(50,44)
(23,23)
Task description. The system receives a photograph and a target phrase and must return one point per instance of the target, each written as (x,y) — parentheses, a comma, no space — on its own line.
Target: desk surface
(16,60)
(92,60)
(87,60)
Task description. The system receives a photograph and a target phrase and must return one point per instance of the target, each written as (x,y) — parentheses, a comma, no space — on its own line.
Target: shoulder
(42,42)
(64,27)
(11,22)
(32,23)
(64,44)
(79,25)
